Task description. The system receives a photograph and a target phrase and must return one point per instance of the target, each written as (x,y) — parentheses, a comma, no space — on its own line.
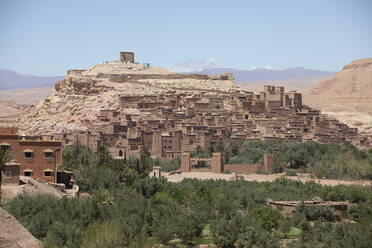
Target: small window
(5,147)
(169,147)
(29,154)
(8,174)
(47,173)
(120,153)
(48,154)
(27,173)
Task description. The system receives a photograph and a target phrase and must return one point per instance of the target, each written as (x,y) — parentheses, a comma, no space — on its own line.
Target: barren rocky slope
(346,95)
(14,235)
(83,93)
(15,102)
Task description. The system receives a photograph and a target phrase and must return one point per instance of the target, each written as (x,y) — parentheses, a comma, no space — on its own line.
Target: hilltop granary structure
(127,57)
(32,156)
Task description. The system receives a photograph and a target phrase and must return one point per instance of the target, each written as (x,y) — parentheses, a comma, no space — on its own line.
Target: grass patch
(205,238)
(262,172)
(291,173)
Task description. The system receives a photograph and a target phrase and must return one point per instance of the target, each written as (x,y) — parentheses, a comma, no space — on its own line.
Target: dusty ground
(257,177)
(14,235)
(31,187)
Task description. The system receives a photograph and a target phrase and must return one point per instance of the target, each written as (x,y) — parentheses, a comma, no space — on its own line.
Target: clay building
(36,157)
(170,124)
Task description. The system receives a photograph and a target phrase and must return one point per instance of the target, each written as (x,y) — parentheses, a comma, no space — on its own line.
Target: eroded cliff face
(83,93)
(346,95)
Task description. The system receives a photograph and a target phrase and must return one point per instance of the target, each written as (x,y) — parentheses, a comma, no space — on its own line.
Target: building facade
(36,157)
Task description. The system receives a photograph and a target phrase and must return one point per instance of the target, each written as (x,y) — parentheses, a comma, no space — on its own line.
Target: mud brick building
(32,156)
(172,124)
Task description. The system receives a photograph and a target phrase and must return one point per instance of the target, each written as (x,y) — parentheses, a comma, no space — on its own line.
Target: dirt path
(259,178)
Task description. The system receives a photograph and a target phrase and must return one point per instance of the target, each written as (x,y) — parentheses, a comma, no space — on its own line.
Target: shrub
(107,234)
(291,173)
(262,172)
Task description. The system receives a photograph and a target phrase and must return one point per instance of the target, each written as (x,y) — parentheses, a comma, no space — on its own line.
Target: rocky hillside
(346,95)
(14,235)
(83,93)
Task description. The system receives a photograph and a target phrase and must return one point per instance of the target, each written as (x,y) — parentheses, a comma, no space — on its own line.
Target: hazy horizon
(49,37)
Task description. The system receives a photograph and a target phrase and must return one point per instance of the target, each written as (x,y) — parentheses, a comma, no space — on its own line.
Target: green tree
(103,156)
(108,234)
(145,163)
(76,157)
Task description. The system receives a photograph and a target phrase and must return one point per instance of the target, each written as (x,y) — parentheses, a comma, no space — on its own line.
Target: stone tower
(268,161)
(127,57)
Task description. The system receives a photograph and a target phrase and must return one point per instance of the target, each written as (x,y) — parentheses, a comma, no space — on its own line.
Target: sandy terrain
(346,95)
(257,177)
(31,187)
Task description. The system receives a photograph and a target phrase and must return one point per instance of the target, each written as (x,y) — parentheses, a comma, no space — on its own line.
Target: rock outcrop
(346,95)
(14,235)
(83,93)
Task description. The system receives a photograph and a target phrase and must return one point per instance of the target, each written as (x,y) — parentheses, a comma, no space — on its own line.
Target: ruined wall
(246,168)
(127,57)
(251,168)
(185,162)
(10,174)
(216,163)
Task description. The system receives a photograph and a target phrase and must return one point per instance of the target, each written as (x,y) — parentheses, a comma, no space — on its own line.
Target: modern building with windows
(34,156)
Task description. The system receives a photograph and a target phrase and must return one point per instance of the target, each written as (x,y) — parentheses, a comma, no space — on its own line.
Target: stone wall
(247,168)
(127,57)
(251,168)
(10,174)
(215,162)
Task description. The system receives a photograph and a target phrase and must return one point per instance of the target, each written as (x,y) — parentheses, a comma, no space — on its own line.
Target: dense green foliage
(321,160)
(168,165)
(129,209)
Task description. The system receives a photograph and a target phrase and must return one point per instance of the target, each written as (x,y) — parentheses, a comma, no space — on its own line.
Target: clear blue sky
(50,37)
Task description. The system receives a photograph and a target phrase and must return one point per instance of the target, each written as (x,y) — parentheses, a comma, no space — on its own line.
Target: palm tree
(5,157)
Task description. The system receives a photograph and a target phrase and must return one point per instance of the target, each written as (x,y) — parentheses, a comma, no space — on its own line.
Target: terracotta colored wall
(251,168)
(185,162)
(14,172)
(38,164)
(248,168)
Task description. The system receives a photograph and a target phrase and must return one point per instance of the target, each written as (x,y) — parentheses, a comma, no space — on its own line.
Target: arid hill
(14,235)
(346,95)
(81,95)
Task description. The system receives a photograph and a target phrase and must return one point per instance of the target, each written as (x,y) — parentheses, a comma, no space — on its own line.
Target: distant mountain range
(261,74)
(11,80)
